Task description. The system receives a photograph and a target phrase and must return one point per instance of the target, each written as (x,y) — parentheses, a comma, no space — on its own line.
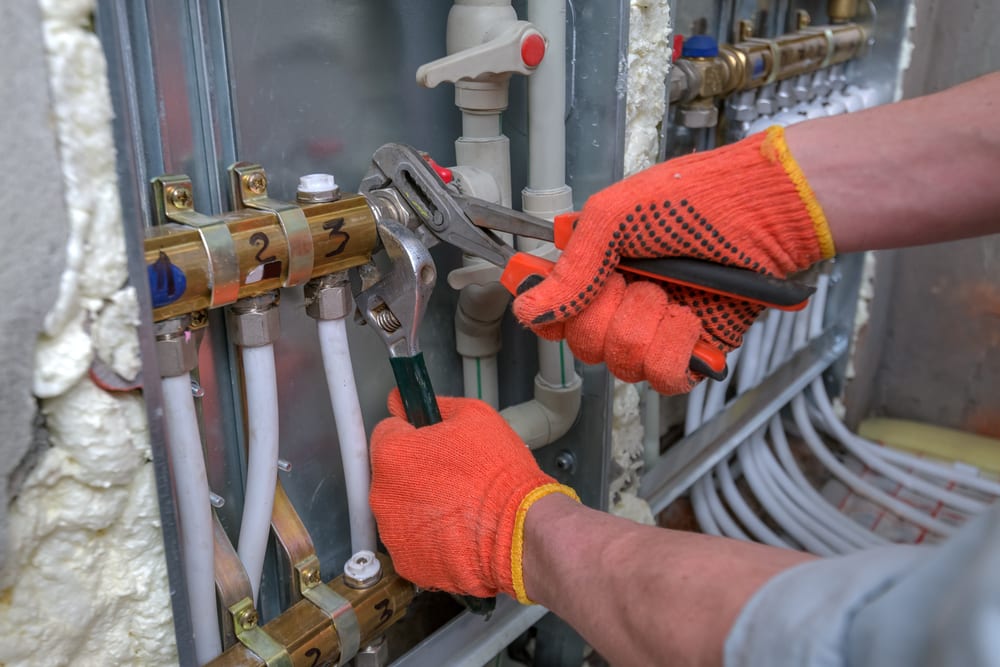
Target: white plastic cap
(317,183)
(363,568)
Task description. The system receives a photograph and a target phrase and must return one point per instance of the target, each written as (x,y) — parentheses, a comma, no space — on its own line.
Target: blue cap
(700,46)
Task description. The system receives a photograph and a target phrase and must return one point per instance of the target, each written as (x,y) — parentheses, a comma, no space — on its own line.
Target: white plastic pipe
(261,385)
(350,430)
(555,363)
(480,377)
(195,512)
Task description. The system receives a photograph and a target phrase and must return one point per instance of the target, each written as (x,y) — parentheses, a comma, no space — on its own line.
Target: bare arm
(920,171)
(642,595)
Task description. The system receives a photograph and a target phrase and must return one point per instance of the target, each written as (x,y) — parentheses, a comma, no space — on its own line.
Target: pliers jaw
(402,169)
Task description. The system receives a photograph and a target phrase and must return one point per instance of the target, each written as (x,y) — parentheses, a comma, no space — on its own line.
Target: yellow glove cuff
(775,148)
(517,544)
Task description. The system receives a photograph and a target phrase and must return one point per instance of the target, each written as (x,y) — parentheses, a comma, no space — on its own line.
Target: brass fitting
(329,297)
(343,236)
(176,350)
(253,321)
(841,11)
(310,637)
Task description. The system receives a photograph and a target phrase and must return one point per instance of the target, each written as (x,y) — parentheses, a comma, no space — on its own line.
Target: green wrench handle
(422,410)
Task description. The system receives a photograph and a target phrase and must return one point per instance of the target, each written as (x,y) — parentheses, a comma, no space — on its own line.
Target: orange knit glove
(450,499)
(746,205)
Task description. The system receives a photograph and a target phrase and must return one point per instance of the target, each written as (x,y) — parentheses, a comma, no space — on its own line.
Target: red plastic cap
(444,173)
(678,48)
(532,49)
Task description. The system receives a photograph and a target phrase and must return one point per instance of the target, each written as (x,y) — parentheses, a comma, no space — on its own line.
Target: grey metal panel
(302,87)
(469,641)
(123,29)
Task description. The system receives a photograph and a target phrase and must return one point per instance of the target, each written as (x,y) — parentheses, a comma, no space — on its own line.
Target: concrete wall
(936,318)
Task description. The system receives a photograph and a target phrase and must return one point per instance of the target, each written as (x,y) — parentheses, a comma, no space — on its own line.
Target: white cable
(261,386)
(822,520)
(938,469)
(838,521)
(862,448)
(194,512)
(747,517)
(719,512)
(350,430)
(854,482)
(702,509)
(859,448)
(695,405)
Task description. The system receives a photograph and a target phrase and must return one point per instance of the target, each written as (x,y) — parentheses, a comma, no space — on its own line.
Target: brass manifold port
(196,262)
(303,635)
(752,63)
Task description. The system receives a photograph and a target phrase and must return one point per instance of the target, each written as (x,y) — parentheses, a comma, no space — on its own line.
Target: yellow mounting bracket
(251,635)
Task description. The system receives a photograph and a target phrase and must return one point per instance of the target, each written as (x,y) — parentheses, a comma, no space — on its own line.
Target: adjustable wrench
(393,304)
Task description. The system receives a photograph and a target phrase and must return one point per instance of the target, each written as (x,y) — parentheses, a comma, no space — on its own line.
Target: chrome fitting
(253,321)
(766,105)
(329,297)
(387,203)
(696,117)
(176,347)
(362,570)
(743,106)
(376,654)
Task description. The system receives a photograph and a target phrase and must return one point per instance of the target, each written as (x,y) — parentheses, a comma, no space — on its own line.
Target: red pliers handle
(524,270)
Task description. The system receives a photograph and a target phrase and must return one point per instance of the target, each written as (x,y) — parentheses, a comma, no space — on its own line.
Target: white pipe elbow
(547,417)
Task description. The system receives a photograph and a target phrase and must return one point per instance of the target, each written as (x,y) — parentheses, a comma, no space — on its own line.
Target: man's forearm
(642,595)
(921,171)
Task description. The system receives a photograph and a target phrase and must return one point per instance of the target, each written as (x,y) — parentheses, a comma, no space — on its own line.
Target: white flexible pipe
(702,510)
(725,522)
(261,385)
(846,527)
(860,449)
(350,430)
(858,485)
(747,517)
(650,426)
(195,512)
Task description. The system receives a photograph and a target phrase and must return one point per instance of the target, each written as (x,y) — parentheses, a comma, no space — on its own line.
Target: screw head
(311,577)
(256,182)
(180,197)
(566,461)
(248,619)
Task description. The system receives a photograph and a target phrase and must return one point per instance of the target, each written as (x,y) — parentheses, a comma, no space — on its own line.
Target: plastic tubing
(857,484)
(262,465)
(753,523)
(846,527)
(859,448)
(195,512)
(350,430)
(863,448)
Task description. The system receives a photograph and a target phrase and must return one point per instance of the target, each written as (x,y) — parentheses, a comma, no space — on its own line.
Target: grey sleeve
(896,605)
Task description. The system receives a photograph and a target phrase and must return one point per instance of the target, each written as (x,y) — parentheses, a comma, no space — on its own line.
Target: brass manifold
(304,635)
(196,261)
(752,63)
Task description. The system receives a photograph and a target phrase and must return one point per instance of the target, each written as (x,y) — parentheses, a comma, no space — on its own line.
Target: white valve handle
(518,49)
